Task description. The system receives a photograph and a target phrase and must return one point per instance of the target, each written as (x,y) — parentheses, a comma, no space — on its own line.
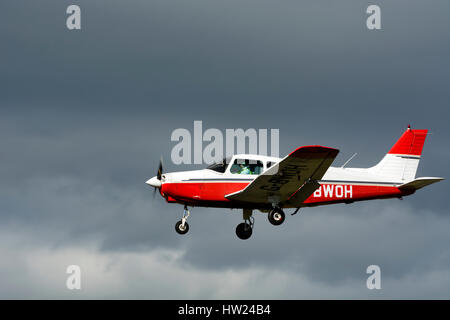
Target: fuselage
(208,187)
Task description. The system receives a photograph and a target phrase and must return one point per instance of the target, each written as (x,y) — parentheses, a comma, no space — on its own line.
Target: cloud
(127,248)
(33,271)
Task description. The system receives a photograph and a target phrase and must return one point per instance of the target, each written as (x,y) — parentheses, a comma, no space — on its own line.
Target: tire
(244,231)
(179,229)
(276,216)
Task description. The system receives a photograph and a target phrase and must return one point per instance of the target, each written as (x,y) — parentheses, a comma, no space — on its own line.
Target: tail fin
(401,162)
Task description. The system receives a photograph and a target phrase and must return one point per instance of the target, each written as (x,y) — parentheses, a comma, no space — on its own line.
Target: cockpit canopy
(243,164)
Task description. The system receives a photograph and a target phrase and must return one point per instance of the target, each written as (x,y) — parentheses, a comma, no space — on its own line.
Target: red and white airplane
(304,178)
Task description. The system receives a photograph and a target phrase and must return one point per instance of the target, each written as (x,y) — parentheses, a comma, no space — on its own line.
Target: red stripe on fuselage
(206,193)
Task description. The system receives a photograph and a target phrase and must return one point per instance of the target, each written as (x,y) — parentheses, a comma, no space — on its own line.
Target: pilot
(244,169)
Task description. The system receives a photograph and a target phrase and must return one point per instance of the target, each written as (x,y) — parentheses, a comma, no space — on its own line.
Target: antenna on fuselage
(348,160)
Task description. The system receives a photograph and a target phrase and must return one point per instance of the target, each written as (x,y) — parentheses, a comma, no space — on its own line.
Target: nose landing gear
(182,227)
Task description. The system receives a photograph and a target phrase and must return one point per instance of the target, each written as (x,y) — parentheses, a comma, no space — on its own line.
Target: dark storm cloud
(86,115)
(198,54)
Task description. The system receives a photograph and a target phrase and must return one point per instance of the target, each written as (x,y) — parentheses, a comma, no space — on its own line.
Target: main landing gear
(182,227)
(244,230)
(276,216)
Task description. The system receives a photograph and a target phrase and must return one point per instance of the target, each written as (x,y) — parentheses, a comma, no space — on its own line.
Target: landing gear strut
(276,216)
(182,227)
(244,230)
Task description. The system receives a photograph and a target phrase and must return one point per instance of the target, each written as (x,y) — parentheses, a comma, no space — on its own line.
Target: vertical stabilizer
(401,162)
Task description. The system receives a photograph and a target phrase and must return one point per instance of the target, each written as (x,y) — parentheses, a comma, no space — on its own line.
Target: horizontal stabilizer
(419,183)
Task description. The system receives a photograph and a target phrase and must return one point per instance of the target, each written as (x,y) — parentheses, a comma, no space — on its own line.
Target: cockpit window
(220,166)
(245,166)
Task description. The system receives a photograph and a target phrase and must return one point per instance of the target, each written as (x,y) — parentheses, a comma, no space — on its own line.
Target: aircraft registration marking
(334,190)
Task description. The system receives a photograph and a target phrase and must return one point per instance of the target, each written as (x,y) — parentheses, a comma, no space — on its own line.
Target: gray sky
(86,115)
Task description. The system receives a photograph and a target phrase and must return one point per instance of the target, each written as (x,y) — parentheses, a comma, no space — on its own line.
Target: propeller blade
(160,170)
(155,182)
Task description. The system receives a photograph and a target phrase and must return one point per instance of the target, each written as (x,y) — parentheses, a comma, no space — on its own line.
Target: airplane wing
(292,180)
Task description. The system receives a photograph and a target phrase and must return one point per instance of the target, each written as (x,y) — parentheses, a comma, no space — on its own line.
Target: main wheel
(276,216)
(180,229)
(244,231)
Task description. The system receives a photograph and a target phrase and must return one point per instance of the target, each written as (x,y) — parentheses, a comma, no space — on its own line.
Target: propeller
(155,182)
(158,176)
(160,170)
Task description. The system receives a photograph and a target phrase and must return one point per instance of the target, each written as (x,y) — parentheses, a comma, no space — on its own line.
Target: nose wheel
(182,227)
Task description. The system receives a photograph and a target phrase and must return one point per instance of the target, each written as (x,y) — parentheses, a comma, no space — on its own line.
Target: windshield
(220,166)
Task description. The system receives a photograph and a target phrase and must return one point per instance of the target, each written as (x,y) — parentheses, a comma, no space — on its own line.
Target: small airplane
(303,178)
